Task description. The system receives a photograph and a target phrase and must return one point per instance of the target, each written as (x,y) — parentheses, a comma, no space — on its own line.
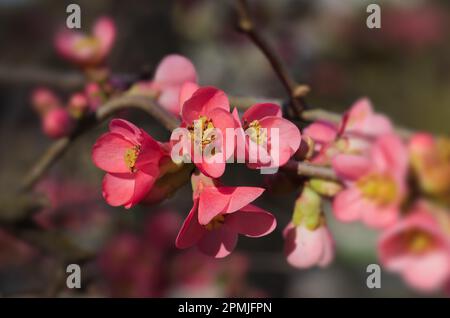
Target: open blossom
(430,160)
(376,184)
(131,159)
(206,116)
(219,214)
(57,123)
(354,134)
(171,73)
(418,248)
(84,49)
(269,136)
(307,239)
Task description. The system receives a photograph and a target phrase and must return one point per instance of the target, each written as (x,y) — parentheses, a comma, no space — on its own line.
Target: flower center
(418,241)
(206,128)
(216,222)
(379,188)
(131,156)
(256,133)
(88,42)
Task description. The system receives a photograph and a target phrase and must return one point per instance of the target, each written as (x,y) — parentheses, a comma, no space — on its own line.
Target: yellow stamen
(256,133)
(216,222)
(379,188)
(418,241)
(87,42)
(130,157)
(207,127)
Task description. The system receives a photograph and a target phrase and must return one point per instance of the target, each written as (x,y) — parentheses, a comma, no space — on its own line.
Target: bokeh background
(404,68)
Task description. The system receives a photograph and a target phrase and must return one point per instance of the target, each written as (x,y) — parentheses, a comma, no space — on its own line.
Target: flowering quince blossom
(354,134)
(206,117)
(376,184)
(171,73)
(308,241)
(131,159)
(268,132)
(78,105)
(219,214)
(57,123)
(87,50)
(418,248)
(430,160)
(44,100)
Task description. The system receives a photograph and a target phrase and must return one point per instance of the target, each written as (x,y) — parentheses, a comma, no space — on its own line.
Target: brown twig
(310,170)
(295,91)
(59,147)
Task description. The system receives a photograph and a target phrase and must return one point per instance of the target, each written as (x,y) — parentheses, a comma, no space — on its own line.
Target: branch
(295,91)
(310,170)
(59,147)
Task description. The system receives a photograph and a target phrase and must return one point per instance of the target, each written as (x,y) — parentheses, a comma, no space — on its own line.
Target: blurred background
(404,68)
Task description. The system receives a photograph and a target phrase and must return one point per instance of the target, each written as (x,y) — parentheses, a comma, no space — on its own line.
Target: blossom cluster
(397,185)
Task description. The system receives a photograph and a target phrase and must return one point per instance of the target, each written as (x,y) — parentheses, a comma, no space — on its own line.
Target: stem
(295,91)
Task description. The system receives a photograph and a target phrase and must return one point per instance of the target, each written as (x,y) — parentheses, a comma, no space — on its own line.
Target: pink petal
(105,31)
(214,168)
(289,137)
(348,205)
(351,167)
(259,111)
(187,90)
(321,131)
(303,247)
(251,221)
(240,197)
(204,100)
(109,151)
(390,155)
(218,243)
(191,231)
(174,70)
(143,184)
(118,189)
(212,202)
(125,129)
(380,217)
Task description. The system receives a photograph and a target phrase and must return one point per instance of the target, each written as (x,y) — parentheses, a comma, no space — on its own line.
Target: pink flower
(206,115)
(172,72)
(78,105)
(57,123)
(430,161)
(94,95)
(221,213)
(170,76)
(354,134)
(131,159)
(375,183)
(87,50)
(261,122)
(44,100)
(306,247)
(417,248)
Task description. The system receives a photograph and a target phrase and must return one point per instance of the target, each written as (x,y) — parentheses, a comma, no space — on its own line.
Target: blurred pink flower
(94,95)
(258,121)
(306,247)
(87,50)
(221,213)
(171,74)
(209,109)
(418,249)
(430,160)
(78,105)
(354,134)
(57,123)
(376,184)
(44,100)
(131,159)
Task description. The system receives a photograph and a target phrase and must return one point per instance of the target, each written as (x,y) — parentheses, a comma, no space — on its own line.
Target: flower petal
(191,231)
(218,243)
(109,151)
(252,221)
(174,70)
(126,129)
(348,205)
(118,189)
(261,110)
(204,100)
(351,167)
